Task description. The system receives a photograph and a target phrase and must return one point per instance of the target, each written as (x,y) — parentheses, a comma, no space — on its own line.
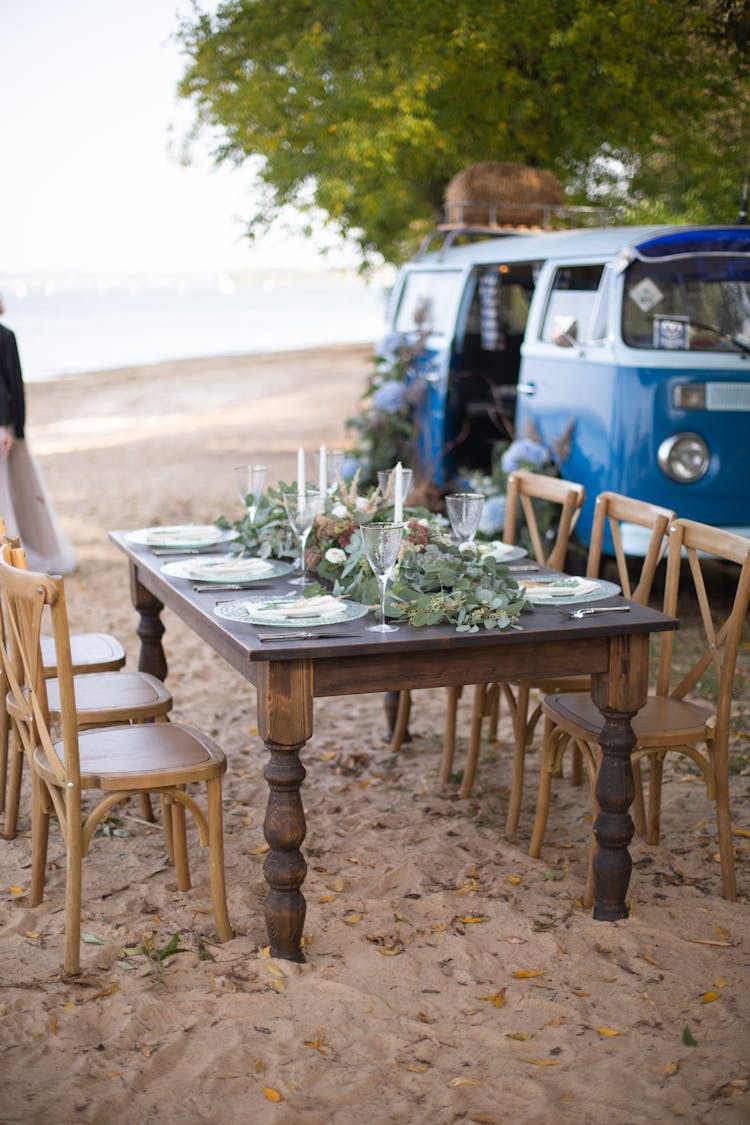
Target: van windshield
(692,303)
(428,301)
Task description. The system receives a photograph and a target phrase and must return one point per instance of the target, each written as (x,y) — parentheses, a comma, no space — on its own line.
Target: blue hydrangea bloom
(391,397)
(388,346)
(524,453)
(349,467)
(493,515)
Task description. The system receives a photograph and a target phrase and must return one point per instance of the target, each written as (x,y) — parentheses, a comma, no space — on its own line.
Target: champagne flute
(301,508)
(382,543)
(251,480)
(464,511)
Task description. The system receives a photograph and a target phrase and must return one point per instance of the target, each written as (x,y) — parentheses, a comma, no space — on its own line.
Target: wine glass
(464,511)
(301,509)
(386,476)
(334,465)
(251,480)
(382,543)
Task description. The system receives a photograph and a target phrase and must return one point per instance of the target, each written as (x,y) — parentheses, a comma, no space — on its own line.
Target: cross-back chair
(561,502)
(689,710)
(91,652)
(102,699)
(115,762)
(611,512)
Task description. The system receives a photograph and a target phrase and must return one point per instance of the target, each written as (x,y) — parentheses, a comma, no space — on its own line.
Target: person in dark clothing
(24,504)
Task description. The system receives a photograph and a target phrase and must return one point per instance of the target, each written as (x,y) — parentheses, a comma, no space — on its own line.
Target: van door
(567,390)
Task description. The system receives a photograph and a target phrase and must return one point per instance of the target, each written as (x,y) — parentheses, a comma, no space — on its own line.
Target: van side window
(572,299)
(427,302)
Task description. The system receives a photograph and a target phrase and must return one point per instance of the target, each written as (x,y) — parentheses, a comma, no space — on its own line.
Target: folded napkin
(552,588)
(179,535)
(496,549)
(228,569)
(321,606)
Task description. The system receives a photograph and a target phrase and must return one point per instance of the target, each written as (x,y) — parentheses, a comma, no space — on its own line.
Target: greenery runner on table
(435,582)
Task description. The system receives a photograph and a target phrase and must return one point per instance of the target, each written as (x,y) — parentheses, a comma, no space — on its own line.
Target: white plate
(207,568)
(181,535)
(501,551)
(567,590)
(251,610)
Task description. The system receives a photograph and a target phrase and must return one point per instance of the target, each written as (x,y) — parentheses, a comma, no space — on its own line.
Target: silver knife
(168,552)
(302,636)
(206,588)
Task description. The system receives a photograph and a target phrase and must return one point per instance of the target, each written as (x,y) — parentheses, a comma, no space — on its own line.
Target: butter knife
(303,636)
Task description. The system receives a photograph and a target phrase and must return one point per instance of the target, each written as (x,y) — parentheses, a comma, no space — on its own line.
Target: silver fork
(587,611)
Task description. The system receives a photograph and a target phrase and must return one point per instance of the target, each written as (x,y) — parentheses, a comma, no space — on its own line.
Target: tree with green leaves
(364,109)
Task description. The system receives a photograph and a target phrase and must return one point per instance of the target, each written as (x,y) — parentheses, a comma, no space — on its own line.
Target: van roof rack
(455,228)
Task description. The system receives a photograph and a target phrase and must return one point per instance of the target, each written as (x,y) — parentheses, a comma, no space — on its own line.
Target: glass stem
(382,583)
(302,542)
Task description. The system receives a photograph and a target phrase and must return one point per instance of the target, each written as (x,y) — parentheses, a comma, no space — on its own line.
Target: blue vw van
(624,350)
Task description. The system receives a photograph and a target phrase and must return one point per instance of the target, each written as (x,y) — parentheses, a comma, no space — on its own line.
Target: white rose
(335,556)
(339,511)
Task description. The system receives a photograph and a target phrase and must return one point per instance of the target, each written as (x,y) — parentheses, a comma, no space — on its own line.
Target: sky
(91,180)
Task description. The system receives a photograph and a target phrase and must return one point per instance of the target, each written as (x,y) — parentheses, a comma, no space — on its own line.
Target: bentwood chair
(116,761)
(690,709)
(540,500)
(91,652)
(102,699)
(611,513)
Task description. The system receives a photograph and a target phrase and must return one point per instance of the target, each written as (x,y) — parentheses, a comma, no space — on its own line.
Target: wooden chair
(91,652)
(526,490)
(118,761)
(689,711)
(611,511)
(102,698)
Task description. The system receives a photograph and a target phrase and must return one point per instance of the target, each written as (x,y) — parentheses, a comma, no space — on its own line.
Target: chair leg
(39,836)
(147,812)
(453,694)
(576,767)
(520,732)
(15,777)
(73,885)
(545,790)
(216,860)
(179,843)
(492,707)
(166,819)
(638,811)
(401,725)
(4,739)
(475,737)
(655,773)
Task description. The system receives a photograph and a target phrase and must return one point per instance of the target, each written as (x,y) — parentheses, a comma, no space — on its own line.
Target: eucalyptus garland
(435,582)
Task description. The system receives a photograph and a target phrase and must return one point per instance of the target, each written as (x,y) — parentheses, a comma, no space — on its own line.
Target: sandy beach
(449,977)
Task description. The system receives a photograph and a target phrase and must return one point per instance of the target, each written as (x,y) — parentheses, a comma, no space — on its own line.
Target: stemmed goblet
(386,476)
(301,508)
(382,543)
(334,465)
(251,480)
(464,512)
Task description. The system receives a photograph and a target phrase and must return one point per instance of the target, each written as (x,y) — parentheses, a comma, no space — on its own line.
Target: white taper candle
(398,488)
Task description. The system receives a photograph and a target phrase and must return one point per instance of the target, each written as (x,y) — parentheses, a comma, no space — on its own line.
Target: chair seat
(109,697)
(663,721)
(149,755)
(90,652)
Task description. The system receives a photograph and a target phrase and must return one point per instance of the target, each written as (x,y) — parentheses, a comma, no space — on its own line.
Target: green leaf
(687,1038)
(91,940)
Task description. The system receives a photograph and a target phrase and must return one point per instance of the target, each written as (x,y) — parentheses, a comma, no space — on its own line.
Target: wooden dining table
(290,673)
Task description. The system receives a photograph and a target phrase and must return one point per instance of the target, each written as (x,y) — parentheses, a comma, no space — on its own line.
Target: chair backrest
(712,669)
(611,511)
(524,488)
(24,595)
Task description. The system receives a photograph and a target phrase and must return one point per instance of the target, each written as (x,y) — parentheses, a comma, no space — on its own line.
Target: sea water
(66,327)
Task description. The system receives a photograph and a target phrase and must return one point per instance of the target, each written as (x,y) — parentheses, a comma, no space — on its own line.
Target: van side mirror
(565,331)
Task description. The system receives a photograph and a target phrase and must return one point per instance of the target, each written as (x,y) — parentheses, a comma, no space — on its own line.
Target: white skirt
(29,514)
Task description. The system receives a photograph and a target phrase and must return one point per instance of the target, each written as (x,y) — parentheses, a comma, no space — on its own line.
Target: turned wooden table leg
(285,724)
(150,628)
(619,695)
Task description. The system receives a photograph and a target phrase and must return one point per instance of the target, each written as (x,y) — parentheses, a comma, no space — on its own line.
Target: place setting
(181,539)
(215,573)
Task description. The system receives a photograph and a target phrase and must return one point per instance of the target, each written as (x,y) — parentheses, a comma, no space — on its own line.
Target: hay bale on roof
(502,194)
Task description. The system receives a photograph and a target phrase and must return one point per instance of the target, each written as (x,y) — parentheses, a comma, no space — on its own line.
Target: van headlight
(684,457)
